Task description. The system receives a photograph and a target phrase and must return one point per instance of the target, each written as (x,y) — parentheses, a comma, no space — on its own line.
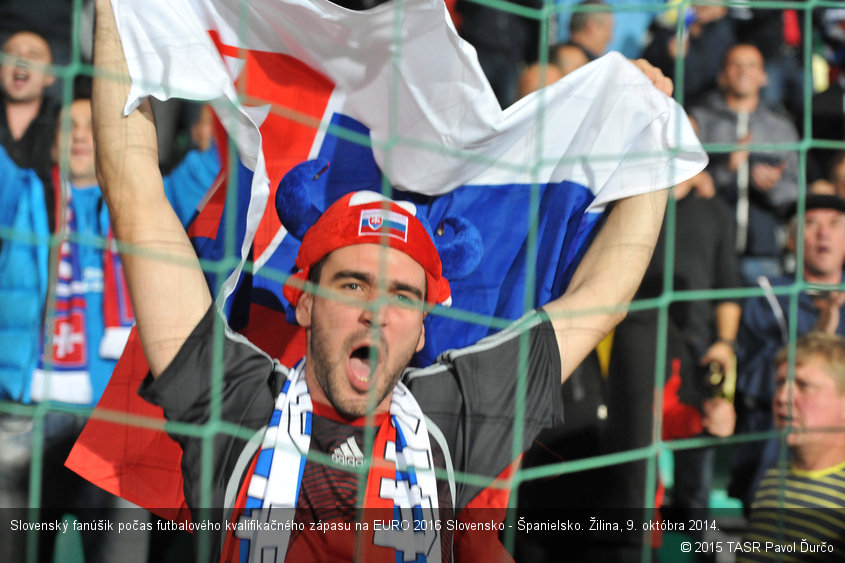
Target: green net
(654,454)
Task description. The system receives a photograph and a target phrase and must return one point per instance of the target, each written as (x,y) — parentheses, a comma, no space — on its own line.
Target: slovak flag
(391,92)
(384,223)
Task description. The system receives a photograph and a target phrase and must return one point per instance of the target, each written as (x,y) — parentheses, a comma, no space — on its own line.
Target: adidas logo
(348,453)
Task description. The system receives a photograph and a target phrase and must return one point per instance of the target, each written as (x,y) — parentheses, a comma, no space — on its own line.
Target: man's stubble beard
(322,366)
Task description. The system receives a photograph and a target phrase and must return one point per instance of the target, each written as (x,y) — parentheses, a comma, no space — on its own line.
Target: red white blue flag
(388,92)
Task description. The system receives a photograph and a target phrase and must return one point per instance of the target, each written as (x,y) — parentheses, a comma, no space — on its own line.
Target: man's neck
(831,278)
(84,183)
(591,49)
(818,458)
(742,104)
(19,115)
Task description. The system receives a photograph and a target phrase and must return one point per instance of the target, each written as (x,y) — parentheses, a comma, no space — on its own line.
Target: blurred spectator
(27,115)
(23,209)
(51,19)
(202,130)
(536,76)
(765,329)
(828,122)
(758,184)
(188,182)
(567,57)
(708,34)
(72,366)
(630,29)
(563,59)
(591,29)
(832,26)
(174,119)
(504,42)
(834,181)
(88,325)
(779,35)
(828,113)
(799,504)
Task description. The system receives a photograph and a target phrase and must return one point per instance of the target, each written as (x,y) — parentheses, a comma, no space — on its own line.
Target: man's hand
(672,46)
(828,307)
(764,177)
(702,183)
(660,81)
(739,157)
(720,352)
(719,417)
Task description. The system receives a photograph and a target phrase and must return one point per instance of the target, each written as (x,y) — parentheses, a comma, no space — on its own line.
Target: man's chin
(352,412)
(353,404)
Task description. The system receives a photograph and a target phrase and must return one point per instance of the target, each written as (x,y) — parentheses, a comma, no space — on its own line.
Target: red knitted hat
(367,217)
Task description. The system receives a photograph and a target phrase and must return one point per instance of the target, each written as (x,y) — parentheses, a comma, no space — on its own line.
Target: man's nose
(783,393)
(373,311)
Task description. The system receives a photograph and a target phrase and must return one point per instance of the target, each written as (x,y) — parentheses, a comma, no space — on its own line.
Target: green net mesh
(658,449)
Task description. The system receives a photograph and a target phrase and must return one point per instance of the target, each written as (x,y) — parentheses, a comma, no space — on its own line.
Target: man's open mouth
(362,363)
(20,75)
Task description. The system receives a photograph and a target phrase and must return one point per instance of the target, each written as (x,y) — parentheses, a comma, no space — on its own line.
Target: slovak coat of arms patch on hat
(383,222)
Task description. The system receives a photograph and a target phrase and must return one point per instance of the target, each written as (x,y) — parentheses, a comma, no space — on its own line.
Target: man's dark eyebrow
(370,279)
(353,274)
(415,291)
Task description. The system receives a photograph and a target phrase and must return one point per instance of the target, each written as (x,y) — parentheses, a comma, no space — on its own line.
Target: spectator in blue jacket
(65,353)
(765,329)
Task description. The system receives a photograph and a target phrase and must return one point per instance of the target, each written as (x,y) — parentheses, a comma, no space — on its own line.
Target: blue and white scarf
(410,488)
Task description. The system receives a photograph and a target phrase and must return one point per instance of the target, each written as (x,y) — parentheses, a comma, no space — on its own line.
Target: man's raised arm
(607,277)
(168,290)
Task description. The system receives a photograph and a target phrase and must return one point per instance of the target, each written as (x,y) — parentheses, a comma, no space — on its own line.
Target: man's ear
(842,412)
(421,343)
(304,308)
(790,243)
